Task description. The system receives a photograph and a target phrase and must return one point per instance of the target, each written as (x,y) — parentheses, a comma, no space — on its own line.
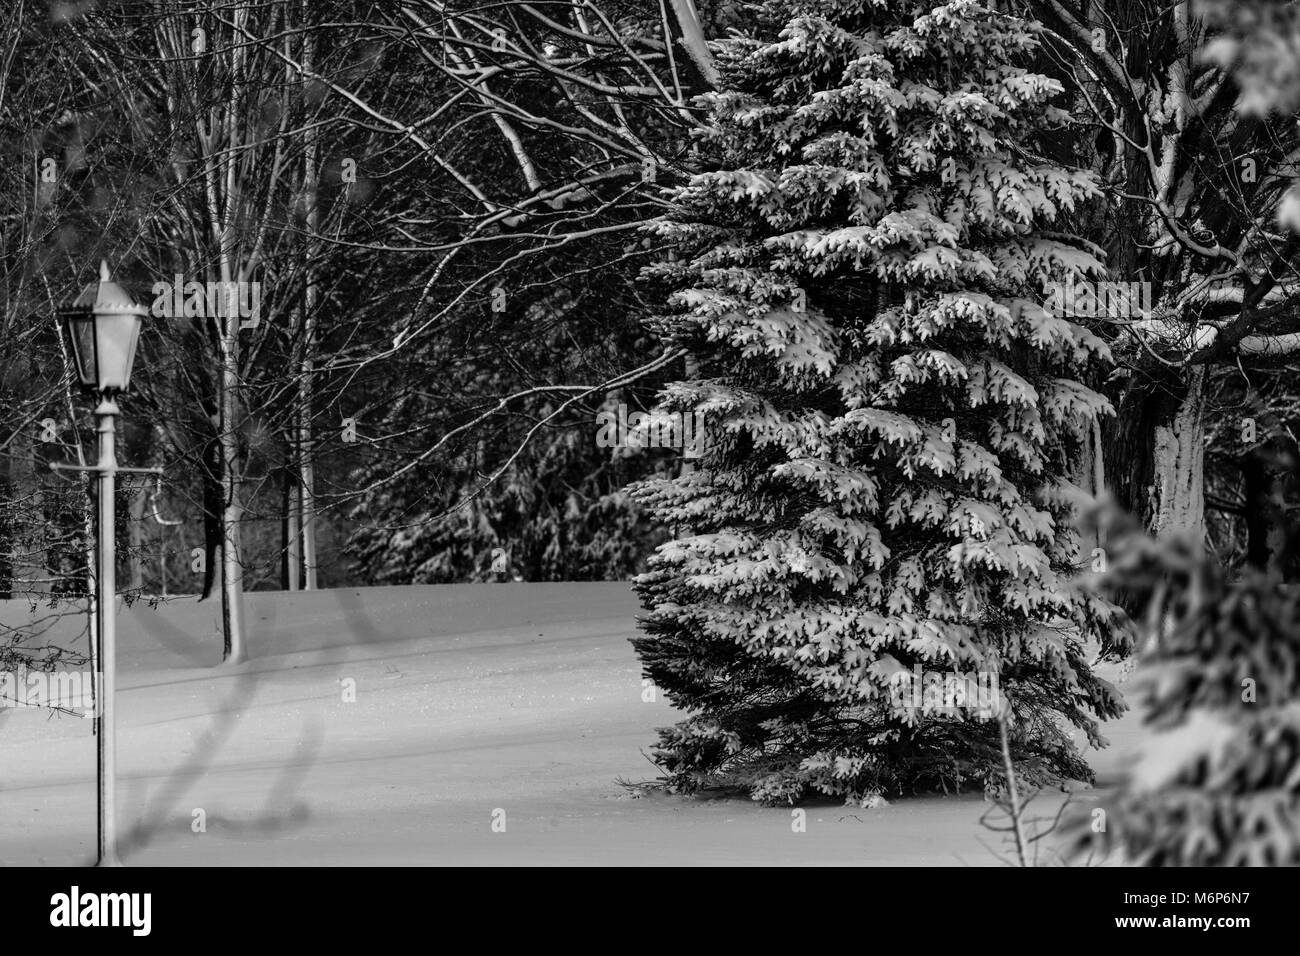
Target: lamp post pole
(106,630)
(102,326)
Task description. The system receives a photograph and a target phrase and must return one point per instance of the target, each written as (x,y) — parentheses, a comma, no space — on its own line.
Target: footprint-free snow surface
(515,704)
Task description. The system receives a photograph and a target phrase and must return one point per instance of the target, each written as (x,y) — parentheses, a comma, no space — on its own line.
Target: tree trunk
(306,449)
(290,534)
(223,189)
(687,31)
(1155,450)
(307,473)
(1257,487)
(1179,465)
(1089,473)
(1269,491)
(8,535)
(232,510)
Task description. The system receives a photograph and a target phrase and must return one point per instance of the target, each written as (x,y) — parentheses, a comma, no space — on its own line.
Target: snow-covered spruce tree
(889,412)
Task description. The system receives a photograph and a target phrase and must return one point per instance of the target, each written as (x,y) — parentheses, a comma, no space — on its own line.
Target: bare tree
(1193,190)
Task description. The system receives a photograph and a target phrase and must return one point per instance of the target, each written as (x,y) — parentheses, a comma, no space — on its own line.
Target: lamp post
(103,328)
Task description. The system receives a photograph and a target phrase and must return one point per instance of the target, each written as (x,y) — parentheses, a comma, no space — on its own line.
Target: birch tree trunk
(306,450)
(234,649)
(224,199)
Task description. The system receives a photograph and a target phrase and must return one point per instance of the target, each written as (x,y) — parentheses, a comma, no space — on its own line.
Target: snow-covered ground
(470,700)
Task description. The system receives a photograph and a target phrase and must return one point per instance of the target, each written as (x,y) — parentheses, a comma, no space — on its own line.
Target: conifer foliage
(890,413)
(1216,781)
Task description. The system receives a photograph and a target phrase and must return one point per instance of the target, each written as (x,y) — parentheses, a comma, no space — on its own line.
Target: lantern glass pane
(81,335)
(136,323)
(116,337)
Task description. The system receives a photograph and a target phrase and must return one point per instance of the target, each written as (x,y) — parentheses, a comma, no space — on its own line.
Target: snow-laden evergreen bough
(1216,780)
(891,414)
